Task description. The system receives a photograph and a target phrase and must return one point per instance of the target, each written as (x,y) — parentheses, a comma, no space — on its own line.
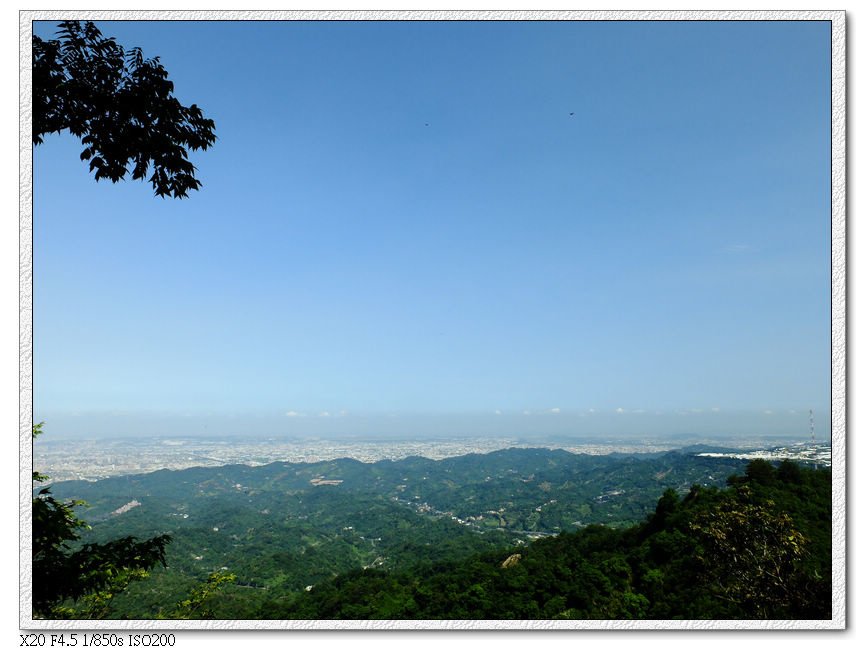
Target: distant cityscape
(818,454)
(92,460)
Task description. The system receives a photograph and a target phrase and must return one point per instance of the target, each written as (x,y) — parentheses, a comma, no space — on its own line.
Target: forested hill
(530,490)
(287,530)
(758,550)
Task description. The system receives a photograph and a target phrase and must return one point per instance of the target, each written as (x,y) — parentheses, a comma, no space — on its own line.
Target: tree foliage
(751,553)
(714,554)
(197,604)
(64,570)
(122,107)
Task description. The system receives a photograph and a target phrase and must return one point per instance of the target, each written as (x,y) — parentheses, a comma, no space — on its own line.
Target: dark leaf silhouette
(121,106)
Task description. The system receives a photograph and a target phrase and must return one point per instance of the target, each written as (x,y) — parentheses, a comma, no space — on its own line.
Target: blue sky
(403,229)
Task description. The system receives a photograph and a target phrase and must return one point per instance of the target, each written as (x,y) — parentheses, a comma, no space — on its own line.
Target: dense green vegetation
(87,573)
(427,539)
(759,549)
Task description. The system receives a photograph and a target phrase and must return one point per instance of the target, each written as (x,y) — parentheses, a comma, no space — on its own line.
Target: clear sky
(453,228)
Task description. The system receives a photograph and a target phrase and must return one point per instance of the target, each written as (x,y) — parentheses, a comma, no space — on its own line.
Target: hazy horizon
(539,424)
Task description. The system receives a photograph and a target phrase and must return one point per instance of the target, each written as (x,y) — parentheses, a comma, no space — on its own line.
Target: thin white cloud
(620,410)
(527,412)
(293,414)
(324,414)
(555,410)
(498,412)
(768,412)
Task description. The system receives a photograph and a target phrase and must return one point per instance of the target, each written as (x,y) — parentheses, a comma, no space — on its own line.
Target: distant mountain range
(284,526)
